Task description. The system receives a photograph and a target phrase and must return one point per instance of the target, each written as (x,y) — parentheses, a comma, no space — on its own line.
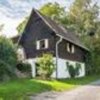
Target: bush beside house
(8,59)
(23,70)
(45,66)
(73,70)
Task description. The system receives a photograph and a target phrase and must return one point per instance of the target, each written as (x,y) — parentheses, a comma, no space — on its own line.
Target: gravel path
(87,92)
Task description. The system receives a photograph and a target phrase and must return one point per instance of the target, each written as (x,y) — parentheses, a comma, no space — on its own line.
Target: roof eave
(74,43)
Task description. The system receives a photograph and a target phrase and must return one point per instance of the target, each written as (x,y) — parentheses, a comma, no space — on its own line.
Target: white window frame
(21,53)
(70,49)
(38,44)
(73,49)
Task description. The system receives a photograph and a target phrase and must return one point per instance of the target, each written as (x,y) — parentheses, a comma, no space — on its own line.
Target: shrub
(24,68)
(3,70)
(6,72)
(78,67)
(45,66)
(73,71)
(8,58)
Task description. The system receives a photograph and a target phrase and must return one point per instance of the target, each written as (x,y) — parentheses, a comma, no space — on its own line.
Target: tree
(8,58)
(95,58)
(54,11)
(73,70)
(22,25)
(83,16)
(45,66)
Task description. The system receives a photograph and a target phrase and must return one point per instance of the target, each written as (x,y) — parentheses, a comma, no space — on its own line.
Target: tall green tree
(52,10)
(83,16)
(94,56)
(8,58)
(22,25)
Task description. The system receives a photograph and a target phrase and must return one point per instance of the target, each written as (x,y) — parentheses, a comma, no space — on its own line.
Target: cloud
(15,8)
(10,25)
(19,8)
(12,12)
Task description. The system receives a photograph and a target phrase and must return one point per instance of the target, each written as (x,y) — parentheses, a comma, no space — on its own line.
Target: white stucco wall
(63,71)
(62,68)
(33,67)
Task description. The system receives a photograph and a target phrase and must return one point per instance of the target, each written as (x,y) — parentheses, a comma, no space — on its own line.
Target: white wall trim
(62,68)
(38,44)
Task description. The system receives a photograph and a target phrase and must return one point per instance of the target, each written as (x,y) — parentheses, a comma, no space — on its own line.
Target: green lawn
(21,89)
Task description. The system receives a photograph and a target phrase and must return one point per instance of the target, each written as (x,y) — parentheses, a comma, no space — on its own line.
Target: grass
(21,89)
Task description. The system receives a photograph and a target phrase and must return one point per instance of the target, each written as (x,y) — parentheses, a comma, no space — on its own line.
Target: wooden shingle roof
(62,31)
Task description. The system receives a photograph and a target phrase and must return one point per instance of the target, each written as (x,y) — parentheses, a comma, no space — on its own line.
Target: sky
(13,12)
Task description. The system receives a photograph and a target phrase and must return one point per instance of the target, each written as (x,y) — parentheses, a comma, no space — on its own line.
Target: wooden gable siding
(35,30)
(78,55)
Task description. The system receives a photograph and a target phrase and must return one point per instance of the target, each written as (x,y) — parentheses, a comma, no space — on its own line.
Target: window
(42,44)
(73,49)
(70,48)
(21,54)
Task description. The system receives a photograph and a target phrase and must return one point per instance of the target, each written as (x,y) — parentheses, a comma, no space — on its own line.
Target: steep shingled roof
(61,30)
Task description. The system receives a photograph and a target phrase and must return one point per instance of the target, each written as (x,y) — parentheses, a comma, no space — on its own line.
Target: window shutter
(73,49)
(38,45)
(68,48)
(46,43)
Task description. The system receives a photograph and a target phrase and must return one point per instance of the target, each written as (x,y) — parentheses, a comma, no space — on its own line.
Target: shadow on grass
(23,88)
